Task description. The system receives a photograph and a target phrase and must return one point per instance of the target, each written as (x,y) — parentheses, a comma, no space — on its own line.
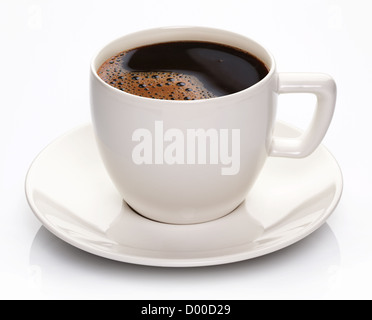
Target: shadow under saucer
(60,267)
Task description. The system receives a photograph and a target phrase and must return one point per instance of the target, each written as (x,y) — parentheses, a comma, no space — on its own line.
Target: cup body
(175,182)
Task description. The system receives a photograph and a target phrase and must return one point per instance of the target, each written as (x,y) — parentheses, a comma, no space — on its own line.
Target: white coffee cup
(184,186)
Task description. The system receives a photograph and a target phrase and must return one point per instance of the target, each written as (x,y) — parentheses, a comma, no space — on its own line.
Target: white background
(46,47)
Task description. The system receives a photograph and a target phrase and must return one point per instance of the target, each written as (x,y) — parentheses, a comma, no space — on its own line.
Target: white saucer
(69,191)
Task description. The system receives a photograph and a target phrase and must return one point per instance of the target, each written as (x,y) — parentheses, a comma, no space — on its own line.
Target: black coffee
(183,70)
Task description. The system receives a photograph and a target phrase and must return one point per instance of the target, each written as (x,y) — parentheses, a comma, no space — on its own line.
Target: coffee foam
(156,85)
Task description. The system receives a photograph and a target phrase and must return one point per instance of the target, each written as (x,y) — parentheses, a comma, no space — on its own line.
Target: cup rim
(242,93)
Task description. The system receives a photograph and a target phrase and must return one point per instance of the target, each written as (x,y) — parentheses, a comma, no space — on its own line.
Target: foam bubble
(162,85)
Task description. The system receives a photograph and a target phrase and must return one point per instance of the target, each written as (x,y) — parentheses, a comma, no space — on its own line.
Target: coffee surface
(183,71)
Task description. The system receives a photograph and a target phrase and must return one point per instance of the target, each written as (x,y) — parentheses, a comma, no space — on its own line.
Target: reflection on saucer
(180,241)
(307,264)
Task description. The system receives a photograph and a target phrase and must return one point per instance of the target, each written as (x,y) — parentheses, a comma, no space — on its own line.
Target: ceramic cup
(189,162)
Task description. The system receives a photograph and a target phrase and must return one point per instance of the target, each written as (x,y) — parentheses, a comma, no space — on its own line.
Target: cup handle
(324,87)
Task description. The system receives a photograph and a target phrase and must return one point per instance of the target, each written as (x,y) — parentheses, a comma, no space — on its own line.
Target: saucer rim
(183,263)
